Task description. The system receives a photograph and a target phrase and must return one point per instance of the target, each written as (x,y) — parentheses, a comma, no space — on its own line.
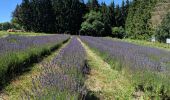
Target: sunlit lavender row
(62,78)
(131,55)
(18,52)
(19,43)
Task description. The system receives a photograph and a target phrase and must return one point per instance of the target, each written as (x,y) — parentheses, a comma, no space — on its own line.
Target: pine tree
(15,14)
(127,8)
(44,16)
(68,15)
(106,19)
(112,14)
(93,5)
(123,13)
(23,14)
(118,15)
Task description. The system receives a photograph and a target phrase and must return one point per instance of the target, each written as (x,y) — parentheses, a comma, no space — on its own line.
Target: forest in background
(131,19)
(70,16)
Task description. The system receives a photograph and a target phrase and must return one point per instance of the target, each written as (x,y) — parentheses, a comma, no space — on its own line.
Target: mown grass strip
(103,81)
(11,64)
(24,82)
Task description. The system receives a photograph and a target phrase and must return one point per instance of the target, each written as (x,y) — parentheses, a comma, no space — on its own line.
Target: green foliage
(118,15)
(93,24)
(118,32)
(112,14)
(93,5)
(137,23)
(5,26)
(106,19)
(68,15)
(153,84)
(23,14)
(163,31)
(35,15)
(105,13)
(50,15)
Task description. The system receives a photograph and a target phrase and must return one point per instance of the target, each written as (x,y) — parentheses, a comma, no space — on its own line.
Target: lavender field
(130,55)
(85,50)
(148,66)
(65,76)
(19,51)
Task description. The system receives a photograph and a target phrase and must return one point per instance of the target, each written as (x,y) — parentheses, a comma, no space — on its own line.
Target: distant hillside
(138,21)
(159,12)
(144,16)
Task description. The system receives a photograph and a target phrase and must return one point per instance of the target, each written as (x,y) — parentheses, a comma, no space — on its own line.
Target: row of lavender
(62,78)
(19,51)
(148,67)
(20,43)
(131,55)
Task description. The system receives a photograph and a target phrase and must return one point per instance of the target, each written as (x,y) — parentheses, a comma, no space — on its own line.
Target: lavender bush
(131,55)
(62,78)
(19,43)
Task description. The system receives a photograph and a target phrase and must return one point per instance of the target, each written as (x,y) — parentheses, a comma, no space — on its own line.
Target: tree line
(131,19)
(71,16)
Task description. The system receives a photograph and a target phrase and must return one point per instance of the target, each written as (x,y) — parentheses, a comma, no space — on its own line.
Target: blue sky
(7,6)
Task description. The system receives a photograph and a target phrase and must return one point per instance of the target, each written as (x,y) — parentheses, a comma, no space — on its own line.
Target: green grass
(12,64)
(153,84)
(5,33)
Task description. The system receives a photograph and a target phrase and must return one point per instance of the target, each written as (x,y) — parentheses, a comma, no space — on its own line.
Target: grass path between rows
(107,83)
(24,82)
